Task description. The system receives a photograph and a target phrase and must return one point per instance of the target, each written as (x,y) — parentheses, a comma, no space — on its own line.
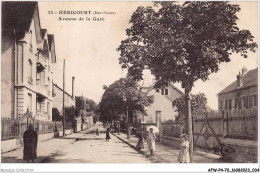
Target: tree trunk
(189,120)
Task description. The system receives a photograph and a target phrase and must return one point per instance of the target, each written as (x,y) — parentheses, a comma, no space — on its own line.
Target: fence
(171,129)
(209,129)
(10,128)
(14,128)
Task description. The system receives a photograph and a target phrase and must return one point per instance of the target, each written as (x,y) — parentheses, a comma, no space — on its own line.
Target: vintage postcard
(136,85)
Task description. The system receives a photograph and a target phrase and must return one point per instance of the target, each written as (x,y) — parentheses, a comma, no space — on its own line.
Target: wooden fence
(209,129)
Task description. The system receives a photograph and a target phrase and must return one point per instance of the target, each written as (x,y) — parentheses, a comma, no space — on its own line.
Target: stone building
(241,94)
(28,52)
(238,110)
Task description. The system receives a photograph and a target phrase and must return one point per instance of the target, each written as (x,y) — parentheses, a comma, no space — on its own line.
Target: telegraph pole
(63,121)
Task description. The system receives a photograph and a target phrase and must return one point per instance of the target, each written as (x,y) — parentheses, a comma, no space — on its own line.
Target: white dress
(151,141)
(184,156)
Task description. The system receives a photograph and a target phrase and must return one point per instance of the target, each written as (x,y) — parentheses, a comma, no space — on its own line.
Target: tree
(56,115)
(123,92)
(183,43)
(198,106)
(70,114)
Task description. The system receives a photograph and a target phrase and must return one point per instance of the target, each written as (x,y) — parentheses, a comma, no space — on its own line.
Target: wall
(58,99)
(162,103)
(7,77)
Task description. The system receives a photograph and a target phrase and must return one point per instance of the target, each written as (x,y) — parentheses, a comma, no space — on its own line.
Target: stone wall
(245,151)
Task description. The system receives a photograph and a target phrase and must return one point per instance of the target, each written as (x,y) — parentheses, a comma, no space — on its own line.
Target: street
(81,147)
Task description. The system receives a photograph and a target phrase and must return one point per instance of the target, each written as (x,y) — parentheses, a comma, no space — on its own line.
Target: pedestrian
(140,143)
(184,155)
(151,141)
(30,144)
(97,132)
(107,135)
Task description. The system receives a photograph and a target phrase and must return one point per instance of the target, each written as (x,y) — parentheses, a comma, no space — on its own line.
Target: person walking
(140,143)
(107,135)
(184,156)
(30,144)
(97,132)
(151,141)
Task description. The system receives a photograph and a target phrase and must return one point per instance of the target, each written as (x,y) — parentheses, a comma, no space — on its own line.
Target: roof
(17,16)
(171,85)
(62,91)
(249,79)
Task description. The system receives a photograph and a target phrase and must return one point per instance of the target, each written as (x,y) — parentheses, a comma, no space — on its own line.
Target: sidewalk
(167,154)
(45,149)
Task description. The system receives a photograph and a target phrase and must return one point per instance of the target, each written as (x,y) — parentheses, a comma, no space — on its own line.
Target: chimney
(239,80)
(73,79)
(244,71)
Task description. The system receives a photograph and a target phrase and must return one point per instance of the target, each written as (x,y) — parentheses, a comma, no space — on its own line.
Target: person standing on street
(30,144)
(151,141)
(107,135)
(184,156)
(140,143)
(97,132)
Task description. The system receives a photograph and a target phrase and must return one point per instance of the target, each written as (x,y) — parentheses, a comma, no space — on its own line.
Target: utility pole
(127,117)
(63,122)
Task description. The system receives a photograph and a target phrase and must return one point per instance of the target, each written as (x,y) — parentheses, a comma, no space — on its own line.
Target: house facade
(162,109)
(28,52)
(241,94)
(69,100)
(238,110)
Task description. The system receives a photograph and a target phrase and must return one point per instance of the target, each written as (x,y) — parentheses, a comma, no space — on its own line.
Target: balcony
(42,91)
(41,62)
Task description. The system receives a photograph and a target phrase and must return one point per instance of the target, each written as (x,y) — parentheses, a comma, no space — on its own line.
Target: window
(255,100)
(29,102)
(43,78)
(30,32)
(48,108)
(245,102)
(166,91)
(162,92)
(230,104)
(223,104)
(239,103)
(30,71)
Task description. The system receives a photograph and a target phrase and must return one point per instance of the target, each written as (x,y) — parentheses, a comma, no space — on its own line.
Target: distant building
(162,109)
(241,94)
(28,52)
(238,110)
(69,100)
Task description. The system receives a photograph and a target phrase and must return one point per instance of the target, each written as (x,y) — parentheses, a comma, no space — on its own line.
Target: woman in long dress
(140,143)
(184,155)
(151,141)
(107,135)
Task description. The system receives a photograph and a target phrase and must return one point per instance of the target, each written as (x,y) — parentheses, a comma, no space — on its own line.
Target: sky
(89,47)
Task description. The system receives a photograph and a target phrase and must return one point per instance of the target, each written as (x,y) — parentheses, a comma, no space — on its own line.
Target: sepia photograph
(129,82)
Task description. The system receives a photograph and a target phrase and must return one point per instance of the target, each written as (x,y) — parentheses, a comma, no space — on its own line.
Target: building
(238,112)
(69,100)
(241,94)
(28,52)
(162,109)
